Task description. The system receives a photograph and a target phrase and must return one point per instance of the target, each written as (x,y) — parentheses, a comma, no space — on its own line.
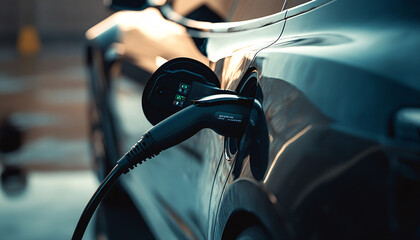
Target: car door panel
(329,101)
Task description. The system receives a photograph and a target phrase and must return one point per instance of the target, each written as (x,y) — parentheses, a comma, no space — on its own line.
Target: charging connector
(226,114)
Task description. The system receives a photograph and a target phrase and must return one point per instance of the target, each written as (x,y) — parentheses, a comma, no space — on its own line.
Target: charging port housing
(248,87)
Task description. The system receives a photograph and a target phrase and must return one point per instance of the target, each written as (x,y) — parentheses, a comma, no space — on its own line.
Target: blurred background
(45,158)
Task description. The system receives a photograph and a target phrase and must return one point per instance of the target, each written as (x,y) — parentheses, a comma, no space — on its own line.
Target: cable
(95,200)
(143,149)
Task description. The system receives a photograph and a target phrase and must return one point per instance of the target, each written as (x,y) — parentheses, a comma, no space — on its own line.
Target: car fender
(246,195)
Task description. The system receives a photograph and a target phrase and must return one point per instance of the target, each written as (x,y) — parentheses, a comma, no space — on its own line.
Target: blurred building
(54,19)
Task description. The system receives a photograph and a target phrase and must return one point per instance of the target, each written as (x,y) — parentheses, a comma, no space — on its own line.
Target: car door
(328,102)
(233,166)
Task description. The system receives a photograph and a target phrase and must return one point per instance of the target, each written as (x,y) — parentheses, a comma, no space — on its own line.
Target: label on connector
(229,117)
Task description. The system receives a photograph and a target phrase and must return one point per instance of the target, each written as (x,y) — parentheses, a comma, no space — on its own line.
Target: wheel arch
(247,203)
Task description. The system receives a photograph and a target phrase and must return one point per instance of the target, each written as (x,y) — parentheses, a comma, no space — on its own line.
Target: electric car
(332,153)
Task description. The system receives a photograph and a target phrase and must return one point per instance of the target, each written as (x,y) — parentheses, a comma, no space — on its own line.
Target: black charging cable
(136,155)
(95,200)
(225,114)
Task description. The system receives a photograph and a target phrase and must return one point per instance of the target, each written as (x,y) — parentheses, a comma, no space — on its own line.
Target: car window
(294,3)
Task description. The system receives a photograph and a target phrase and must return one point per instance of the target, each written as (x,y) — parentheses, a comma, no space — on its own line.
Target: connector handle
(225,114)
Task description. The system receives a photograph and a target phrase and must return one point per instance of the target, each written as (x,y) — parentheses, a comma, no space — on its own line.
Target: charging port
(248,87)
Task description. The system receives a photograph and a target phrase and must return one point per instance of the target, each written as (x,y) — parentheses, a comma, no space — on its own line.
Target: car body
(340,88)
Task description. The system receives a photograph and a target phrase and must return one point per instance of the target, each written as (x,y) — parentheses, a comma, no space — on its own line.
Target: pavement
(48,179)
(47,207)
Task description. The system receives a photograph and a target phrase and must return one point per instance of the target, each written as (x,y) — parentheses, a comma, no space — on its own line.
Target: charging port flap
(175,85)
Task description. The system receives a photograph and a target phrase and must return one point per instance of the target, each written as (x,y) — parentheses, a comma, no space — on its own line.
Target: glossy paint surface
(331,78)
(331,88)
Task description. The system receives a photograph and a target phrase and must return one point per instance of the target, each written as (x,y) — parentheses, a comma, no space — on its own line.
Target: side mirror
(175,85)
(118,5)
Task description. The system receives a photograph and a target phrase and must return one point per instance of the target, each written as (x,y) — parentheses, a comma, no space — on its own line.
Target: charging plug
(226,114)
